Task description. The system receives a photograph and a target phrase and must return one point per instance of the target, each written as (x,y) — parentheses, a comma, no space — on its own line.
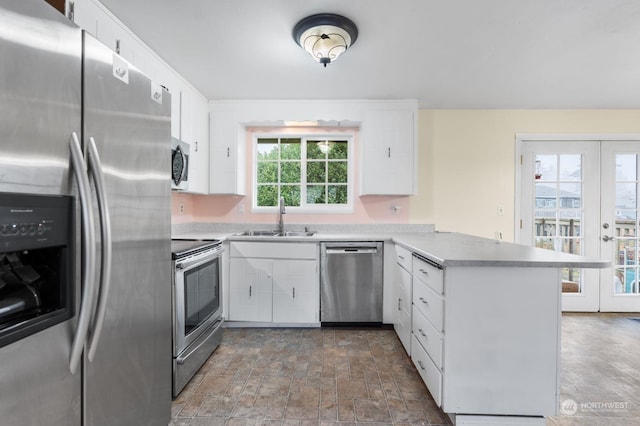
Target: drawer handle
(423,271)
(421,366)
(249,291)
(424,301)
(399,304)
(422,332)
(401,257)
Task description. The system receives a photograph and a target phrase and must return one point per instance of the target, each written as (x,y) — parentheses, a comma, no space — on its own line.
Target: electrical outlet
(181,208)
(500,210)
(395,210)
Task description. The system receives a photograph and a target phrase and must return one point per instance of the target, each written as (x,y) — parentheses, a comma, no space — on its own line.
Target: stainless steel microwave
(179,164)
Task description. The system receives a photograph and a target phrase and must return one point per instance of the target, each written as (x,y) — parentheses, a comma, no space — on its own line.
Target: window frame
(306,208)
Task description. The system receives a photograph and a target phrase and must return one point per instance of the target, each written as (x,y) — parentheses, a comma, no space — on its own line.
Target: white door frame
(521,138)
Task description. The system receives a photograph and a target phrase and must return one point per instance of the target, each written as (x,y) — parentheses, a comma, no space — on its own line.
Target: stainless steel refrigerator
(75,117)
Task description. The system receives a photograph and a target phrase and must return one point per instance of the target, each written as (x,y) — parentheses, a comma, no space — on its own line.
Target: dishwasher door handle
(352,250)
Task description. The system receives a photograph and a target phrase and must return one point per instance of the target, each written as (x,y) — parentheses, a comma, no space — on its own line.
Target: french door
(581,197)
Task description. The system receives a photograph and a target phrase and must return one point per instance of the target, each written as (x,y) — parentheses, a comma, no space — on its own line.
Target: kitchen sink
(298,234)
(266,233)
(258,233)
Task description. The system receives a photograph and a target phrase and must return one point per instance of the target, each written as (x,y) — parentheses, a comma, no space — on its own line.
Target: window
(312,173)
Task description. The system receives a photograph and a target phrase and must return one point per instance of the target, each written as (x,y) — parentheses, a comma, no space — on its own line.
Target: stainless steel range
(197,307)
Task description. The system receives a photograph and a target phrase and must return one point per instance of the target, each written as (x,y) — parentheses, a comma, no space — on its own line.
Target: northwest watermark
(569,407)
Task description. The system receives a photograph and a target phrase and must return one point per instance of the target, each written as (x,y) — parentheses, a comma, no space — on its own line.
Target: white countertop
(444,248)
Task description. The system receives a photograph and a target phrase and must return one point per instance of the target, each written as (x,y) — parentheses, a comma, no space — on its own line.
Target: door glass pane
(570,167)
(626,226)
(559,210)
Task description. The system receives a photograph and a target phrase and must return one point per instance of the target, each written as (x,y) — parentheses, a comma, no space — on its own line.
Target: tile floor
(348,377)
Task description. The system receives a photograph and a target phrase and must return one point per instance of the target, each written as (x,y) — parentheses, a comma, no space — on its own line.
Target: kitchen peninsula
(480,318)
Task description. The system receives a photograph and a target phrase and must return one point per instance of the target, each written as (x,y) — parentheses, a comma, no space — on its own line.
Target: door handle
(607,238)
(88,253)
(95,168)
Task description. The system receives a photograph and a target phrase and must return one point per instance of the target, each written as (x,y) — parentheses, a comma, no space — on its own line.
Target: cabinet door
(227,157)
(250,289)
(402,322)
(296,289)
(388,145)
(194,119)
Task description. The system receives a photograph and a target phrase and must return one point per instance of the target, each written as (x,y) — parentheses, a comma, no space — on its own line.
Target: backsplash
(224,228)
(188,208)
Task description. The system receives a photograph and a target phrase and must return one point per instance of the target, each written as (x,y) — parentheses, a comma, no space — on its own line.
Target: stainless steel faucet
(282,213)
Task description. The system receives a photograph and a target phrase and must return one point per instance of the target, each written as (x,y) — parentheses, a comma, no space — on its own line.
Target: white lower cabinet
(402,296)
(250,294)
(485,339)
(295,291)
(274,282)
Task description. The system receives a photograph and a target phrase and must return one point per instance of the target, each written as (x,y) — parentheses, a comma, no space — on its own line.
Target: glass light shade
(325,36)
(325,43)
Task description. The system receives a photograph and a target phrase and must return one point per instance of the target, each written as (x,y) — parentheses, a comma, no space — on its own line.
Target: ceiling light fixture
(325,36)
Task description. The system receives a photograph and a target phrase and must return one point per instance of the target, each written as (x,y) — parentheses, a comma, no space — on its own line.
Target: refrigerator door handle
(79,167)
(95,168)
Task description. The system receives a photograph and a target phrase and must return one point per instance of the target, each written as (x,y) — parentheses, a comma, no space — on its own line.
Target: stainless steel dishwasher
(351,282)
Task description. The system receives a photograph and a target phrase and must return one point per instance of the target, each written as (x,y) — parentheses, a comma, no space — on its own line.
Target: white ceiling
(445,53)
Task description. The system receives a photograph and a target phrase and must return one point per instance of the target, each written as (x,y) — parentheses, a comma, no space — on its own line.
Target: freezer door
(128,382)
(40,90)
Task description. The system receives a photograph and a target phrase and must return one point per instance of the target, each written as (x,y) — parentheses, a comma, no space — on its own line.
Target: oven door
(197,297)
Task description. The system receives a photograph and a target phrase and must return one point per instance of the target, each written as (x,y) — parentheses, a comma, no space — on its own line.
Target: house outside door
(579,194)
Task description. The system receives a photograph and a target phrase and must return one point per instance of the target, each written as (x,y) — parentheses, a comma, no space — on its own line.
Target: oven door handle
(200,259)
(95,168)
(79,167)
(182,358)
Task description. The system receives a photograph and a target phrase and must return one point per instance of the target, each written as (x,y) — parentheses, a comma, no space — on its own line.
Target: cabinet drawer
(428,336)
(403,257)
(428,371)
(429,274)
(429,303)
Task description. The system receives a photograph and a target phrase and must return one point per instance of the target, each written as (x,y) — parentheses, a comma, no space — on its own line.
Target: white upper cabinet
(388,140)
(194,119)
(227,153)
(388,145)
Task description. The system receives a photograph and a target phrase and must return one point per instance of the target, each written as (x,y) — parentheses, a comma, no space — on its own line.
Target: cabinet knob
(421,366)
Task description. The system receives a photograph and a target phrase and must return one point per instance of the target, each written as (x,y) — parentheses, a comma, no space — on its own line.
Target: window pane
(337,194)
(546,167)
(316,194)
(313,150)
(291,195)
(316,172)
(338,172)
(267,172)
(545,243)
(545,196)
(570,195)
(571,280)
(267,195)
(290,149)
(267,149)
(290,172)
(626,167)
(338,150)
(570,167)
(625,195)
